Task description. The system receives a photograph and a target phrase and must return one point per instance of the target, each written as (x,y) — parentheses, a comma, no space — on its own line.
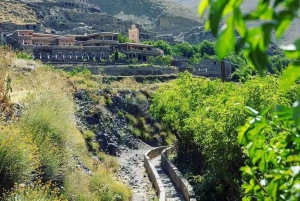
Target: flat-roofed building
(106,39)
(19,38)
(141,52)
(71,53)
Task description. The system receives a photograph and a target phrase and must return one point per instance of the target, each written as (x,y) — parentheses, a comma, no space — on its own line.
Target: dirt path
(132,171)
(172,192)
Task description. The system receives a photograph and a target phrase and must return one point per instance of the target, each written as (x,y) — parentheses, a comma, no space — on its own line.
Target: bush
(106,187)
(110,163)
(24,55)
(18,156)
(49,121)
(35,191)
(204,115)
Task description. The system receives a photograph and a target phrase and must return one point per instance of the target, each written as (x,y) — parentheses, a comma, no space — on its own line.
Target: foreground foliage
(204,116)
(270,139)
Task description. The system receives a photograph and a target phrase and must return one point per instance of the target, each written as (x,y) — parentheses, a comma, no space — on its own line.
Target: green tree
(116,55)
(123,38)
(270,138)
(165,59)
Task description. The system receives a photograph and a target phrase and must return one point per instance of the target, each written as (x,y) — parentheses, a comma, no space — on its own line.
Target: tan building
(134,34)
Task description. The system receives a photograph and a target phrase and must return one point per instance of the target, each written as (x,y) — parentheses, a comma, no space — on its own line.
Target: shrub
(6,57)
(24,55)
(88,136)
(109,162)
(204,115)
(50,122)
(107,188)
(18,156)
(36,191)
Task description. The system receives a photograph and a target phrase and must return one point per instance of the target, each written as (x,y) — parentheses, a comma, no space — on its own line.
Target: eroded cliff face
(165,14)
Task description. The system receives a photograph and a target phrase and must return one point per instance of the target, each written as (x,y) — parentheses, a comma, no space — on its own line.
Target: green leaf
(292,51)
(265,110)
(251,111)
(293,158)
(239,22)
(296,111)
(290,75)
(216,13)
(258,59)
(226,39)
(258,156)
(203,6)
(246,170)
(284,19)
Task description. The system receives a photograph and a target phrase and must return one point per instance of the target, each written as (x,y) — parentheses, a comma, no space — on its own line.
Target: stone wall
(152,173)
(180,182)
(125,70)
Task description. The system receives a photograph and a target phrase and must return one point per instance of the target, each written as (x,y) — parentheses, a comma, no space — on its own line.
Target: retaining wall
(152,173)
(127,71)
(181,183)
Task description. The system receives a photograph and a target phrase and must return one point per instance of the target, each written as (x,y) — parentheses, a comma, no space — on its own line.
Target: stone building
(141,52)
(180,62)
(76,3)
(19,38)
(211,68)
(55,20)
(104,39)
(81,4)
(134,34)
(51,47)
(71,53)
(37,28)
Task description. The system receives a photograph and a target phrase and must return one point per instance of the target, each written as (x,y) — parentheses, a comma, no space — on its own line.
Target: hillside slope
(248,5)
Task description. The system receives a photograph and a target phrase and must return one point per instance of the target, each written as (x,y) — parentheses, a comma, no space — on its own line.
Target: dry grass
(14,11)
(47,97)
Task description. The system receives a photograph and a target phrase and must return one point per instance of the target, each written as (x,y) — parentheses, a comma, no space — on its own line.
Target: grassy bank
(43,155)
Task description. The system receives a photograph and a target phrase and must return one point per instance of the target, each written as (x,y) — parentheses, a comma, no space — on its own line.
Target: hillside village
(76,31)
(134,100)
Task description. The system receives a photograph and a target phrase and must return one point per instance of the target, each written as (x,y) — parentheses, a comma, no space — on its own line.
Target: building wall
(35,27)
(180,63)
(134,34)
(72,53)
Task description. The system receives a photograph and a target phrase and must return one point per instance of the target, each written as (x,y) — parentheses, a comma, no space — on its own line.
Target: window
(22,34)
(76,53)
(70,44)
(51,18)
(93,55)
(59,54)
(84,54)
(36,44)
(41,43)
(33,27)
(64,44)
(71,54)
(102,54)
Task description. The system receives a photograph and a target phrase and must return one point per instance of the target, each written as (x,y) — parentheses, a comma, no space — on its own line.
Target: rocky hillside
(166,14)
(248,5)
(16,12)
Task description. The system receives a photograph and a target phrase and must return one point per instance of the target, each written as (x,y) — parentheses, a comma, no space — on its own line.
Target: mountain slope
(248,5)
